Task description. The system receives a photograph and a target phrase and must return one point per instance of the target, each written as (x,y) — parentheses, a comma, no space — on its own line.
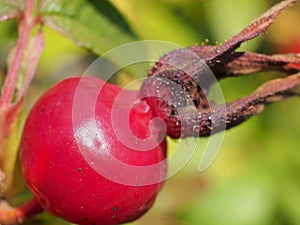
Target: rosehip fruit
(71,154)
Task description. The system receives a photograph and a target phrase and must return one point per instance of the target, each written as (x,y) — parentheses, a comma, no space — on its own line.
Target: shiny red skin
(60,178)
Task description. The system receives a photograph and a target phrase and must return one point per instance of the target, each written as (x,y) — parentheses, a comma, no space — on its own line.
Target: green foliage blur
(255,179)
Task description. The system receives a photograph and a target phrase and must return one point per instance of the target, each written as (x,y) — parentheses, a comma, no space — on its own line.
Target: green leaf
(47,219)
(112,13)
(157,20)
(80,21)
(10,9)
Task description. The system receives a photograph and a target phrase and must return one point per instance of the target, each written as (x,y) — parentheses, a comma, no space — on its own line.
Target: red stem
(29,210)
(14,216)
(26,25)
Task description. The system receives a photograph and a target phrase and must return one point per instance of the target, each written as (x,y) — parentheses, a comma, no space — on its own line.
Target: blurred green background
(255,179)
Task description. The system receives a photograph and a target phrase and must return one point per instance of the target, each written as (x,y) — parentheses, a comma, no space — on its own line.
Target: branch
(26,24)
(13,216)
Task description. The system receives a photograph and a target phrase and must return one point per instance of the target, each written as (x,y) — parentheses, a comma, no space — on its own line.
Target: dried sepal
(186,110)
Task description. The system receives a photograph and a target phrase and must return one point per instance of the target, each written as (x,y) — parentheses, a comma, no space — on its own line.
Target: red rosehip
(57,155)
(291,47)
